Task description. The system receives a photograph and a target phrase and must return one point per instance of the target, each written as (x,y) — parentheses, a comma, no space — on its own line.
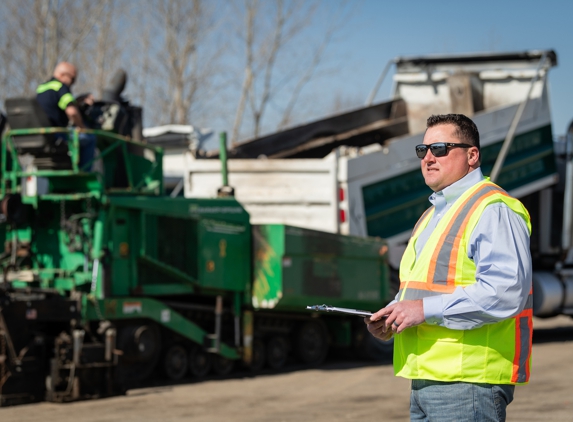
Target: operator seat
(50,151)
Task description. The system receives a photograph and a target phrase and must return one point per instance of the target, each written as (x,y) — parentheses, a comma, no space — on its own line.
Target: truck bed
(376,188)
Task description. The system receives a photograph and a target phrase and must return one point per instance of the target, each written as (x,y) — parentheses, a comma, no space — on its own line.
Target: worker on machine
(56,99)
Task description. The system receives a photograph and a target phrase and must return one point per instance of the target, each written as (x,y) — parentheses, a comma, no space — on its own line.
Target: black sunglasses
(438,149)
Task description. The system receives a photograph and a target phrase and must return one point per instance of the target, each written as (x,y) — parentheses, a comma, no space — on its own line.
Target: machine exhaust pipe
(115,87)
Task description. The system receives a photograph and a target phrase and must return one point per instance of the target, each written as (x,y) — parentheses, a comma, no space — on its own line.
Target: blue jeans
(434,401)
(87,148)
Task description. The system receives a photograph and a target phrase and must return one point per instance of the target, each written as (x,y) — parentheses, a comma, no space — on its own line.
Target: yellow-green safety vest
(498,353)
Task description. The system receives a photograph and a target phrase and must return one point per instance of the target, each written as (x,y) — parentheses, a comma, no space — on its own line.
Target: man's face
(441,172)
(68,77)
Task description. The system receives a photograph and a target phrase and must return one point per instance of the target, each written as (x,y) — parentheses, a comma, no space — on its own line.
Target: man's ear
(473,156)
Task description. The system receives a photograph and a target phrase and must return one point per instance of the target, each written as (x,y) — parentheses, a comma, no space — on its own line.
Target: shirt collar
(455,190)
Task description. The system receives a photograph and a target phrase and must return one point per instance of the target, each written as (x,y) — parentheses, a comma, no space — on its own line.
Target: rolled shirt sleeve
(499,246)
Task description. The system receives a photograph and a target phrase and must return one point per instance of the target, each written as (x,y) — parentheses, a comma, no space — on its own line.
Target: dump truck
(356,173)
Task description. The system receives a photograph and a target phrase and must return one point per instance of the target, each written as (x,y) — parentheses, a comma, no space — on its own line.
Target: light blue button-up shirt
(499,246)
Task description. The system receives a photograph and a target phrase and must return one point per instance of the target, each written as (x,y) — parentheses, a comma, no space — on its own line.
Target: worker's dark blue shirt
(54,96)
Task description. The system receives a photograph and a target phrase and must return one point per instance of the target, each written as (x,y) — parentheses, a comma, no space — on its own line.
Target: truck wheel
(259,355)
(311,343)
(175,362)
(277,352)
(223,366)
(141,352)
(368,347)
(199,362)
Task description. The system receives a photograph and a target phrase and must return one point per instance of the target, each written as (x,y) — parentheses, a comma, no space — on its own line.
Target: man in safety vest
(56,99)
(462,320)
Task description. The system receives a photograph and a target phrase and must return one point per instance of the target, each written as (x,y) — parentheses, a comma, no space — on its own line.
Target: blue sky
(381,30)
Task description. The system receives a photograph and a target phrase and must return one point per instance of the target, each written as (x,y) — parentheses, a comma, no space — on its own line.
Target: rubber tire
(130,370)
(311,343)
(368,347)
(222,365)
(199,362)
(277,352)
(176,362)
(259,355)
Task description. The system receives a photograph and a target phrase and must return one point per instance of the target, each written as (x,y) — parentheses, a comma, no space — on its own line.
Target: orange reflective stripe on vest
(443,265)
(418,290)
(523,342)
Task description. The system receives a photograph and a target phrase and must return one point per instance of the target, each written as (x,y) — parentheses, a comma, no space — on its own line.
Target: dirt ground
(335,392)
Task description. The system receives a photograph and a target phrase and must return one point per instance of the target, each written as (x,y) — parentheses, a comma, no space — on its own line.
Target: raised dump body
(377,189)
(373,124)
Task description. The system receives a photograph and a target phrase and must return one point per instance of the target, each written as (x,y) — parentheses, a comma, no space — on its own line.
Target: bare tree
(181,55)
(250,13)
(40,33)
(101,53)
(282,55)
(305,77)
(187,56)
(126,42)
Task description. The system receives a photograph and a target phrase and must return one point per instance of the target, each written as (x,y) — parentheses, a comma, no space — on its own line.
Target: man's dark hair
(466,129)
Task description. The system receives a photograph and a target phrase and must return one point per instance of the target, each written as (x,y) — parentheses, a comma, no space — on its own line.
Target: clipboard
(348,311)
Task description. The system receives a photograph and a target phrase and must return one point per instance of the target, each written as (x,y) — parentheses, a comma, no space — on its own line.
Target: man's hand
(378,329)
(395,318)
(89,100)
(75,116)
(85,100)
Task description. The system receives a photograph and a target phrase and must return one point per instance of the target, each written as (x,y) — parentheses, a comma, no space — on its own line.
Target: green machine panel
(178,246)
(224,261)
(297,267)
(393,206)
